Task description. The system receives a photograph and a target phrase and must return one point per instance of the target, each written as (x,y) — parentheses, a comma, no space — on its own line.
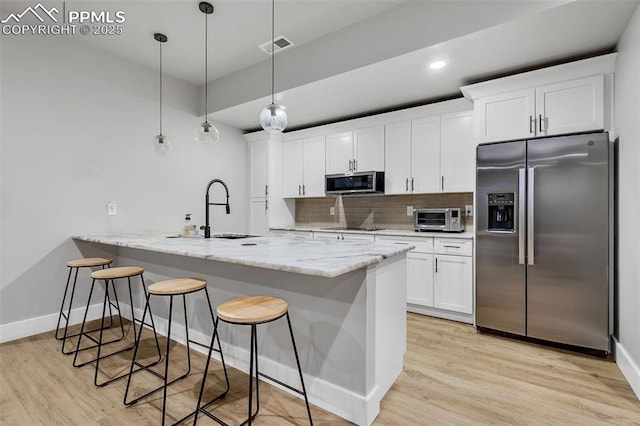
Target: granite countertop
(389,232)
(310,257)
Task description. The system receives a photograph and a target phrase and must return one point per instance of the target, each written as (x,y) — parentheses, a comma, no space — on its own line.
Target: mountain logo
(33,11)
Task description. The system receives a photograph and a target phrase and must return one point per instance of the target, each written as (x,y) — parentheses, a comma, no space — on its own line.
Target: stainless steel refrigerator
(543,238)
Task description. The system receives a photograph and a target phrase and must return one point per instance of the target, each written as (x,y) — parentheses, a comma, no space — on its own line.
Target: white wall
(627,123)
(76,127)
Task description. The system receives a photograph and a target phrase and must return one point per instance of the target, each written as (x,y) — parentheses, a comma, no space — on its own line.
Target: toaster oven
(442,219)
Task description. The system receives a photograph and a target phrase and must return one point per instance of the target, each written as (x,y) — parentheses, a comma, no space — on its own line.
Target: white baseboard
(333,398)
(435,312)
(32,326)
(630,369)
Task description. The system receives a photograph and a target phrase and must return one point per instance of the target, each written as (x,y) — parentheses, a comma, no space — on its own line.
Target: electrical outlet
(468,210)
(332,211)
(112,209)
(409,210)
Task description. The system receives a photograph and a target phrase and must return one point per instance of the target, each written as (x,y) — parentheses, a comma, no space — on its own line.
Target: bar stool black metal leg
(166,364)
(153,326)
(64,297)
(253,368)
(104,306)
(84,321)
(295,351)
(135,353)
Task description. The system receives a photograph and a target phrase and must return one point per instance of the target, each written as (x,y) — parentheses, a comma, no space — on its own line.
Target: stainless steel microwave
(442,219)
(366,183)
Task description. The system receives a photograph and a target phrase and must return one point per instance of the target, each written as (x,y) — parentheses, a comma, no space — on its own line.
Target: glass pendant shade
(207,133)
(161,143)
(273,118)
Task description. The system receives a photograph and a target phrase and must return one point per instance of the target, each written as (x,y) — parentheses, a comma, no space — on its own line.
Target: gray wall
(77,126)
(627,123)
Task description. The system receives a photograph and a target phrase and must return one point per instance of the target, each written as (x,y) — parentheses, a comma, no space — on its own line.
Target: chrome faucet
(207,228)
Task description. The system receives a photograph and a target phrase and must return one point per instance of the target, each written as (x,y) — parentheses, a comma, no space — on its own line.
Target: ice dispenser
(501,211)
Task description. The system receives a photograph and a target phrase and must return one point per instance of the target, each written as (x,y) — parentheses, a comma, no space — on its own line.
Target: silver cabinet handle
(436,265)
(520,213)
(299,190)
(451,246)
(266,204)
(266,190)
(412,184)
(350,165)
(303,190)
(404,244)
(532,122)
(442,182)
(540,124)
(406,185)
(530,217)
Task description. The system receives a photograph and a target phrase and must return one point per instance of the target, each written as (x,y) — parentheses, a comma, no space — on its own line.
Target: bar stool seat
(177,286)
(171,288)
(115,273)
(109,275)
(253,310)
(89,262)
(75,265)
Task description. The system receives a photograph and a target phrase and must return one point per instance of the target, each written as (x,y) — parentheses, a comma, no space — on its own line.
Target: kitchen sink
(232,236)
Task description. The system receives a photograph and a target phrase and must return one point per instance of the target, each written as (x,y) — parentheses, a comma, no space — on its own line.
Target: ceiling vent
(280,43)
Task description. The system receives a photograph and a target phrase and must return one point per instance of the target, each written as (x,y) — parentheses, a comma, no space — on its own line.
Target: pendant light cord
(206,69)
(273,53)
(160,88)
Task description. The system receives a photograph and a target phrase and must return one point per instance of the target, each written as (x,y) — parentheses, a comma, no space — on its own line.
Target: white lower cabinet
(453,283)
(420,278)
(293,235)
(439,276)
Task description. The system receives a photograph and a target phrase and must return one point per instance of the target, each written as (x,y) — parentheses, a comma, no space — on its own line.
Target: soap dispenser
(186,228)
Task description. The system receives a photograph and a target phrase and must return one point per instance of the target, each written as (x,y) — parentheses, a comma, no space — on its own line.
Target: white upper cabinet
(397,157)
(359,150)
(259,168)
(313,167)
(570,106)
(339,153)
(430,155)
(567,98)
(368,149)
(425,155)
(292,168)
(506,116)
(457,152)
(303,165)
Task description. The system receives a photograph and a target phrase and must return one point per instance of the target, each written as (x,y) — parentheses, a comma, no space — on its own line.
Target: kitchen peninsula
(347,301)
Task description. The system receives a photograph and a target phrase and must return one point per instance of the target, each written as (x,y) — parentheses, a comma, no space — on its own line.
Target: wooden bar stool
(252,311)
(171,288)
(74,266)
(109,275)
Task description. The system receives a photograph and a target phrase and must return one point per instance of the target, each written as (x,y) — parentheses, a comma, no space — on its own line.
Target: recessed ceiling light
(436,65)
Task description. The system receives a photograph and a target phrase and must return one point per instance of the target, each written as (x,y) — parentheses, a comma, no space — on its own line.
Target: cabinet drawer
(453,246)
(422,244)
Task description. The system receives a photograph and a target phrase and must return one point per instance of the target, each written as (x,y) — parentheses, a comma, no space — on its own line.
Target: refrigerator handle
(530,217)
(521,214)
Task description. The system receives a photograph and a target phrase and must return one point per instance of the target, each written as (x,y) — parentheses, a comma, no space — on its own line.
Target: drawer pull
(452,246)
(404,244)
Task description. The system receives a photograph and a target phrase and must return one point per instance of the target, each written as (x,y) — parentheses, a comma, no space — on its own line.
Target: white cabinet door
(339,152)
(570,106)
(258,216)
(506,116)
(369,149)
(292,164)
(425,155)
(457,152)
(453,283)
(258,168)
(313,167)
(420,278)
(397,157)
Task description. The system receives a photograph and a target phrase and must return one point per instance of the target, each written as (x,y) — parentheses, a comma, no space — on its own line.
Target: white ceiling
(351,57)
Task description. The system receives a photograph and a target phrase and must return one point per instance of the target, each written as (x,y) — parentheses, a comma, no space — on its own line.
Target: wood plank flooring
(452,375)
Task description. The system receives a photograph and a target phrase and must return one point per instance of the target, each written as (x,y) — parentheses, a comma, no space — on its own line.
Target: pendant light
(273,118)
(206,132)
(160,142)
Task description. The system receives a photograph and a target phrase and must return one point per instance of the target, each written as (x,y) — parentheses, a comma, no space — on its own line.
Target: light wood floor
(452,375)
